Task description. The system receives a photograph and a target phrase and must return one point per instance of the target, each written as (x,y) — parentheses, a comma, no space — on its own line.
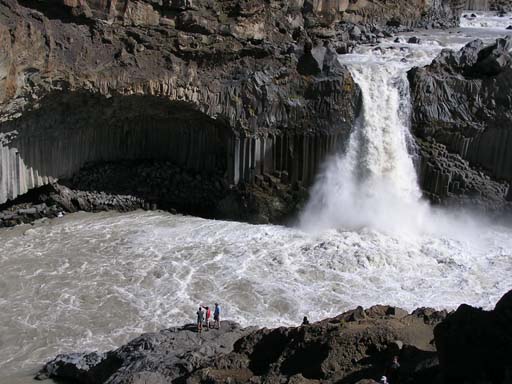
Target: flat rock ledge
(473,346)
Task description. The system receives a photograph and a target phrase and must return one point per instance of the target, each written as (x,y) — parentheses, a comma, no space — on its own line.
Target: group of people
(204,315)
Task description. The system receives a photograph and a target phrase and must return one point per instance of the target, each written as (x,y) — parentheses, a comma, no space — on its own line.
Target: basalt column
(294,158)
(71,130)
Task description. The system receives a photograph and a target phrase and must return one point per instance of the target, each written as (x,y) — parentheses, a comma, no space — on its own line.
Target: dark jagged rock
(500,6)
(462,106)
(447,178)
(162,357)
(475,346)
(155,182)
(54,200)
(81,368)
(309,64)
(356,345)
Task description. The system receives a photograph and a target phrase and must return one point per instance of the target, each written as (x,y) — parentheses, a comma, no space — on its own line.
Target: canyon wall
(462,114)
(410,13)
(243,96)
(477,5)
(245,88)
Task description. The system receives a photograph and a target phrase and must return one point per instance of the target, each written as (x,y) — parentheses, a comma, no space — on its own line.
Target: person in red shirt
(207,317)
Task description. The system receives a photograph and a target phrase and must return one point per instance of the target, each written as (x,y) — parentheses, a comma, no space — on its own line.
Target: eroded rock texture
(468,345)
(212,86)
(356,345)
(241,88)
(489,5)
(462,113)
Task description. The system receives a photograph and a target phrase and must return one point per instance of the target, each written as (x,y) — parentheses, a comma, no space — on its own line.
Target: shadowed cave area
(164,152)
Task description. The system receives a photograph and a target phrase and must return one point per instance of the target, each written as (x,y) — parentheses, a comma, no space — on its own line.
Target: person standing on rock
(216,316)
(392,372)
(208,316)
(200,319)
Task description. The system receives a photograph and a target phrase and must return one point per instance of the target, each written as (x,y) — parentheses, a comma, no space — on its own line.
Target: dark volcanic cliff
(248,91)
(220,87)
(462,106)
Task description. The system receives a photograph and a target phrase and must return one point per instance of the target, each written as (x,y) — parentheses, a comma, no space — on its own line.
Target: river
(93,281)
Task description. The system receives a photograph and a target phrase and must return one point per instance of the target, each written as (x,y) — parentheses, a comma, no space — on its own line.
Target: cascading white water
(373,183)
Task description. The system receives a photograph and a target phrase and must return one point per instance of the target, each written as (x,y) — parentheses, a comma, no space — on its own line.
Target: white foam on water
(94,281)
(373,183)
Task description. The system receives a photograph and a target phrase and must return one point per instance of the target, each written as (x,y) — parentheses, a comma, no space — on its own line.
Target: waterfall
(373,183)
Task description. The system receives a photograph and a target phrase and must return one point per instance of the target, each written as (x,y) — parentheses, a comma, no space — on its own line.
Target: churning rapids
(93,281)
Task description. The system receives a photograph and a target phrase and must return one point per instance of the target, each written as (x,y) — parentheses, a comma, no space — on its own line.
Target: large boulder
(475,346)
(160,357)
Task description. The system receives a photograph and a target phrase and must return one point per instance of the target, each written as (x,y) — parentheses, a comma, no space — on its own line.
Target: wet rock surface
(162,357)
(462,116)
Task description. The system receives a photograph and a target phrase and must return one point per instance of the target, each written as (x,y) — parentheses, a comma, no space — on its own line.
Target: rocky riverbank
(467,345)
(150,184)
(55,200)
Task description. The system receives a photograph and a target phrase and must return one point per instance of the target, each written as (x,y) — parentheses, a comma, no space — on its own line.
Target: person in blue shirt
(200,318)
(216,316)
